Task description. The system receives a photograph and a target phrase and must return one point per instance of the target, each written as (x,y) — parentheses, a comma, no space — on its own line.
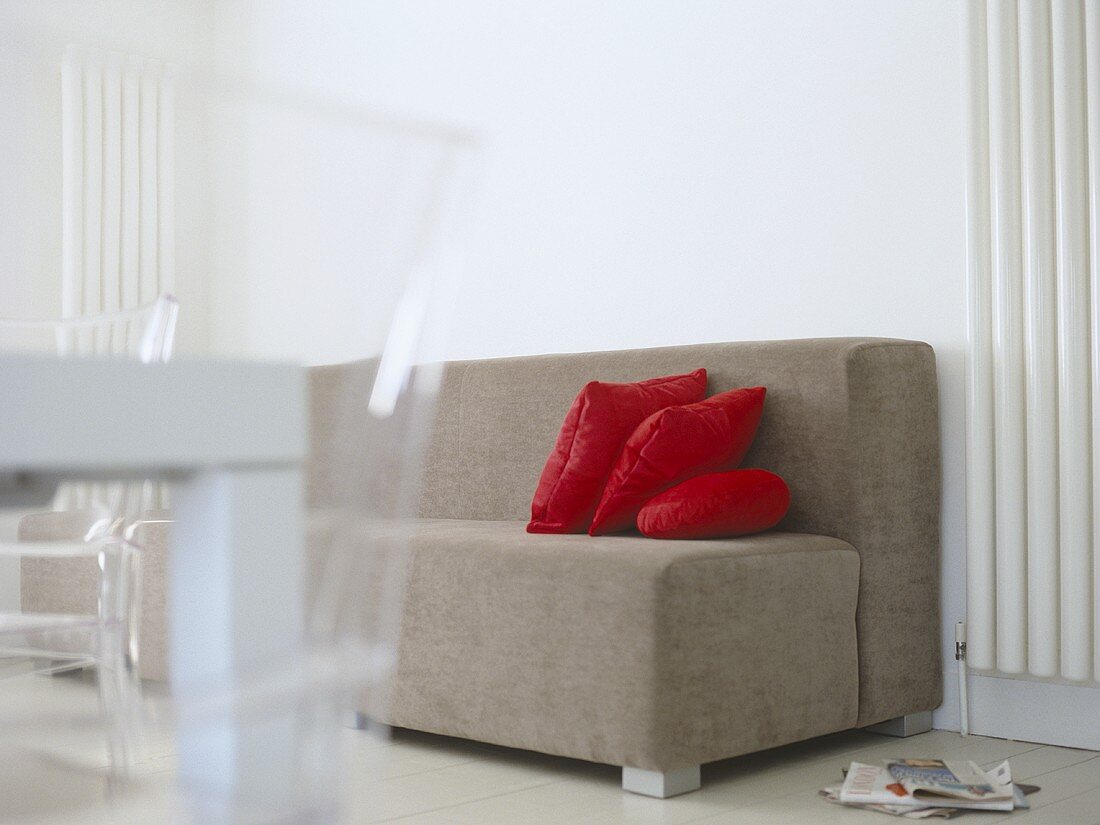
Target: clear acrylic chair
(387,198)
(92,521)
(339,687)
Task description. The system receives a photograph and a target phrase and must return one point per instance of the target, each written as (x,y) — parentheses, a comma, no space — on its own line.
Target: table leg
(236,579)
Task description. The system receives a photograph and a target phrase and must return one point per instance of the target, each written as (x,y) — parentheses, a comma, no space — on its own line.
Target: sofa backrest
(850,423)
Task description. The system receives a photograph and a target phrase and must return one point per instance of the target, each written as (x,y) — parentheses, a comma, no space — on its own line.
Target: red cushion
(603,415)
(672,446)
(715,505)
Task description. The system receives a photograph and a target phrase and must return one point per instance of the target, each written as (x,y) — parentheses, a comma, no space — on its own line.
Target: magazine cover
(874,787)
(955,781)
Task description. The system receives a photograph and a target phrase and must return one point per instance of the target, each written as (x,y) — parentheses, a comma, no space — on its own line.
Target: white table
(231,438)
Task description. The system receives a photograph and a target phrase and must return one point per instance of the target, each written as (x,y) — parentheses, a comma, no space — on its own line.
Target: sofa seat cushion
(624,650)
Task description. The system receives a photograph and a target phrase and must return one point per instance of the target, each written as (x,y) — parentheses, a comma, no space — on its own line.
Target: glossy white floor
(57,777)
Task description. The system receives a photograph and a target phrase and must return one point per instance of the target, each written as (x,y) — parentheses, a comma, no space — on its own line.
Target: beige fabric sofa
(661,655)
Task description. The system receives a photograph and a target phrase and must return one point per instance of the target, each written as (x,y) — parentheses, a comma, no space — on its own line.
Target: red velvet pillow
(602,417)
(716,505)
(673,445)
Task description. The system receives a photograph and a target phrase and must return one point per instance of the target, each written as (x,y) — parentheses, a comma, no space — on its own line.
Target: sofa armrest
(71,585)
(894,473)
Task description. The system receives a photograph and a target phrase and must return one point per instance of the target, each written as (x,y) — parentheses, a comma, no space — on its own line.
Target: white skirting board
(946,716)
(1049,713)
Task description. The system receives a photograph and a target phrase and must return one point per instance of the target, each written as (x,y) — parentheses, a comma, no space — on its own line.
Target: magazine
(874,787)
(832,794)
(933,780)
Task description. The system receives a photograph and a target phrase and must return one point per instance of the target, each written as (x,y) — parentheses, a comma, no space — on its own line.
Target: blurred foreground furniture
(230,439)
(90,525)
(662,655)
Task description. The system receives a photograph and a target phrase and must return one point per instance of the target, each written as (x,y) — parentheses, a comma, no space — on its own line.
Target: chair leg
(354,719)
(909,725)
(58,667)
(119,699)
(661,784)
(117,674)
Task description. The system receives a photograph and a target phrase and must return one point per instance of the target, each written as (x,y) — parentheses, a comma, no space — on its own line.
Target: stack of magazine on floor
(928,788)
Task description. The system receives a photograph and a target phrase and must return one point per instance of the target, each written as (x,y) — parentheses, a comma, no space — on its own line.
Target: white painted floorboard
(56,777)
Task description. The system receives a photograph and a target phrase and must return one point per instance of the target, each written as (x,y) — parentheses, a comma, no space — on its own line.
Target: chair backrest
(143,333)
(387,202)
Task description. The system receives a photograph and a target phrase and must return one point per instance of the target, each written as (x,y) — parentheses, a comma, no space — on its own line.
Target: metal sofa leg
(908,725)
(661,784)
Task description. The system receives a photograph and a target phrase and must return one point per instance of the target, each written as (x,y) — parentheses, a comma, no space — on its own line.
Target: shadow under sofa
(654,655)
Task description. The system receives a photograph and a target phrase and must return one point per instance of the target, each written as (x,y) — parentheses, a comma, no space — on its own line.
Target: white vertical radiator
(117,181)
(1033,372)
(117,218)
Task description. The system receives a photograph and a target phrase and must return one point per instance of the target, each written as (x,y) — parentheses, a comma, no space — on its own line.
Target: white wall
(653,172)
(660,173)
